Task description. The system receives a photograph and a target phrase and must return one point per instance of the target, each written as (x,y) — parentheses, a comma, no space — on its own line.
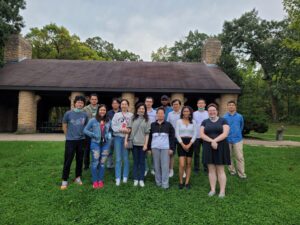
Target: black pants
(197,150)
(87,149)
(72,148)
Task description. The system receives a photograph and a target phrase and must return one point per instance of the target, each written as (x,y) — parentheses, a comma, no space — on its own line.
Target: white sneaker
(135,183)
(211,193)
(146,172)
(171,173)
(142,184)
(118,182)
(78,181)
(125,180)
(184,175)
(153,172)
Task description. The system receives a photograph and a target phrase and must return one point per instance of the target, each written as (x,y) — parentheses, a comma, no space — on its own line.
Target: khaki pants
(236,154)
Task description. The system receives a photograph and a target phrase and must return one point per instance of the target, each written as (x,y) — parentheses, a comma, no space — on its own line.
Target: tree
(10,21)
(260,41)
(107,50)
(186,50)
(54,42)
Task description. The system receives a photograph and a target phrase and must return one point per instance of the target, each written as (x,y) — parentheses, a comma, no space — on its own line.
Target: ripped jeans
(99,154)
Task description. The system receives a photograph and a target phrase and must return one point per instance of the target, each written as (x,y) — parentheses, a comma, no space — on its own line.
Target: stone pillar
(27,112)
(223,100)
(72,97)
(131,98)
(211,51)
(179,96)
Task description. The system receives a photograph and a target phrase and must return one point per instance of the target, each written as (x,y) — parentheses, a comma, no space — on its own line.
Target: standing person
(165,100)
(152,118)
(98,129)
(214,132)
(186,133)
(140,129)
(162,144)
(172,118)
(91,110)
(199,115)
(74,122)
(235,140)
(120,122)
(115,109)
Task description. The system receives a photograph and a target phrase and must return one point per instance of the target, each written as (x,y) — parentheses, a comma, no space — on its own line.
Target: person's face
(231,107)
(212,112)
(186,113)
(149,103)
(115,105)
(141,110)
(201,104)
(164,102)
(160,115)
(79,104)
(102,111)
(94,100)
(124,106)
(176,106)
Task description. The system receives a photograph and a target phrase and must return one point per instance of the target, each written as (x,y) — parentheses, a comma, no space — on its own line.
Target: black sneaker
(180,186)
(188,186)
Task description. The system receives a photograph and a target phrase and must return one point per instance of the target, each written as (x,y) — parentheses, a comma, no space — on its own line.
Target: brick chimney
(17,49)
(211,51)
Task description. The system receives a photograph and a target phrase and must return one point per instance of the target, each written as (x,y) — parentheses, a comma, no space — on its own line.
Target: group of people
(154,136)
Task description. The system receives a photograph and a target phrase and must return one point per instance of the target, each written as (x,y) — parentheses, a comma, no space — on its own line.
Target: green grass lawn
(291,132)
(30,178)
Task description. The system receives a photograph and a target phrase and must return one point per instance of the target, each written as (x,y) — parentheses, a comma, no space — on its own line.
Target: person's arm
(146,142)
(204,136)
(65,128)
(177,132)
(194,132)
(242,124)
(87,129)
(171,140)
(224,134)
(115,126)
(65,122)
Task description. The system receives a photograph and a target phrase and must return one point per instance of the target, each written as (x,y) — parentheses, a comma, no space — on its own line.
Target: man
(152,118)
(199,115)
(74,122)
(165,100)
(235,139)
(172,118)
(91,111)
(115,104)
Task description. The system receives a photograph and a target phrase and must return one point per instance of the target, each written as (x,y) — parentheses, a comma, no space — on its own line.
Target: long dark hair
(135,116)
(191,113)
(98,117)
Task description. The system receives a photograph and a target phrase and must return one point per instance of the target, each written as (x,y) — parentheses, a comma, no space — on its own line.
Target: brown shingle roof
(71,75)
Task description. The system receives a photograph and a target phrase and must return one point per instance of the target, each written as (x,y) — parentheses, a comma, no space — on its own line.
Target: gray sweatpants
(161,161)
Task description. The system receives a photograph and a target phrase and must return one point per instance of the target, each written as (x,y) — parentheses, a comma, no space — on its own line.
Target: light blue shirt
(152,115)
(236,124)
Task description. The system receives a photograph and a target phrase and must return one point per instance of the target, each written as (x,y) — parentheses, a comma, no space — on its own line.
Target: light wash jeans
(121,153)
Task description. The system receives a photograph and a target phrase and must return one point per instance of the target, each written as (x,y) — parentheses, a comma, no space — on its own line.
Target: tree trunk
(274,105)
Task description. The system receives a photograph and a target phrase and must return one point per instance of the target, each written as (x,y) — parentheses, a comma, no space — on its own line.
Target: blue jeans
(138,162)
(121,153)
(99,154)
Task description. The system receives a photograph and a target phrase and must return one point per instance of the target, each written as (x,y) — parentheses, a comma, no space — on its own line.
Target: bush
(255,123)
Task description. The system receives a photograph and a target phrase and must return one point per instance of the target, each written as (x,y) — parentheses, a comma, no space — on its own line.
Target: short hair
(160,108)
(231,101)
(94,95)
(213,105)
(176,100)
(201,99)
(79,98)
(115,100)
(149,97)
(124,100)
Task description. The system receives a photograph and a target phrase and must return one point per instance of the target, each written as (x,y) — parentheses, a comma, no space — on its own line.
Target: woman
(98,129)
(214,132)
(120,122)
(186,133)
(139,135)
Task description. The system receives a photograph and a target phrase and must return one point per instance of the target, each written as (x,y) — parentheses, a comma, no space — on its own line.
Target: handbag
(130,140)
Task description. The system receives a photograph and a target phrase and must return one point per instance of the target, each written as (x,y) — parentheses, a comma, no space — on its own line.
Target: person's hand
(145,147)
(170,152)
(214,145)
(126,144)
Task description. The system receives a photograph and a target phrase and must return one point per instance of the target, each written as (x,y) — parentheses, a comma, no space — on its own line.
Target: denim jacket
(92,129)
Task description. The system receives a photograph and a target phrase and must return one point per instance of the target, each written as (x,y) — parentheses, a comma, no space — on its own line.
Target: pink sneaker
(95,185)
(100,184)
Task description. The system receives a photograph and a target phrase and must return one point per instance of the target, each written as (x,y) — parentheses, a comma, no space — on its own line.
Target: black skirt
(220,156)
(182,152)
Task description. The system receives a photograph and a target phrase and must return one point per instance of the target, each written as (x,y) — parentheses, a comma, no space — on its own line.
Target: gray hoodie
(139,129)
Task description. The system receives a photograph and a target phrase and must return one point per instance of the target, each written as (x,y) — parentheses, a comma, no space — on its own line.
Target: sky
(142,26)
